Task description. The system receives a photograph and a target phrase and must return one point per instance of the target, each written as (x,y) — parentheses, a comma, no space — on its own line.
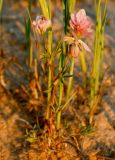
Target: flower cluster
(80,25)
(76,46)
(41,24)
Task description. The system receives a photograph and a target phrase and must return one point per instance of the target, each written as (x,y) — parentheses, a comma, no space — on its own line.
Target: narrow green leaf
(68,76)
(44,7)
(1,5)
(104,14)
(71,5)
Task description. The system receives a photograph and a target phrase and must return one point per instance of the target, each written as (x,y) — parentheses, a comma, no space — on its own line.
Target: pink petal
(34,23)
(73,18)
(81,15)
(85,46)
(41,24)
(71,25)
(81,24)
(38,18)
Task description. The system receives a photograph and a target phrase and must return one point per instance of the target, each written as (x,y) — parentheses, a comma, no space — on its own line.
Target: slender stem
(61,62)
(70,79)
(68,8)
(46,9)
(28,35)
(58,116)
(31,55)
(102,40)
(84,66)
(49,72)
(97,73)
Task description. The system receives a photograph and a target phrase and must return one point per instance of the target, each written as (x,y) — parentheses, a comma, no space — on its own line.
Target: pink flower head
(41,24)
(81,24)
(76,46)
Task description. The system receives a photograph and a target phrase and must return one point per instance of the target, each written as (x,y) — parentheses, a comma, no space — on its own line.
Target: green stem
(61,62)
(58,116)
(95,71)
(46,9)
(70,79)
(68,8)
(83,66)
(31,55)
(49,72)
(28,34)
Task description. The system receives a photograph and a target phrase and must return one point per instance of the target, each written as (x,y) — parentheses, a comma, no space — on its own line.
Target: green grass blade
(44,7)
(1,6)
(71,4)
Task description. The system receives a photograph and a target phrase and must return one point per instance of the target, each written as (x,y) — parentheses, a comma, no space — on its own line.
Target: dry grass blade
(68,101)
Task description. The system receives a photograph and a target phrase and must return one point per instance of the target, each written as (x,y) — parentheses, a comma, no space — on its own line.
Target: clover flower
(81,24)
(41,24)
(76,46)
